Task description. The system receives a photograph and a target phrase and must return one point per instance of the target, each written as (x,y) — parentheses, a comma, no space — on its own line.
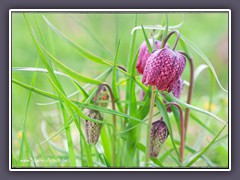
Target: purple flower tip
(144,54)
(176,90)
(159,134)
(93,129)
(163,68)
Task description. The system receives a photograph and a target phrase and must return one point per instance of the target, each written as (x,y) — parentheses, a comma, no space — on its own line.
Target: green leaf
(199,70)
(204,57)
(92,35)
(73,74)
(195,157)
(25,121)
(146,40)
(164,114)
(71,152)
(157,27)
(144,110)
(81,50)
(76,104)
(114,79)
(41,54)
(165,31)
(195,108)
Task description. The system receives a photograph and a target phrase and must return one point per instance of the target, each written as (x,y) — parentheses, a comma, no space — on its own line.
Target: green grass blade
(36,90)
(144,110)
(195,157)
(101,77)
(129,156)
(199,70)
(165,30)
(71,152)
(195,118)
(203,157)
(76,104)
(40,70)
(94,37)
(132,135)
(147,40)
(25,118)
(114,79)
(130,57)
(73,74)
(106,143)
(164,114)
(204,57)
(29,151)
(81,90)
(196,108)
(157,27)
(81,50)
(41,54)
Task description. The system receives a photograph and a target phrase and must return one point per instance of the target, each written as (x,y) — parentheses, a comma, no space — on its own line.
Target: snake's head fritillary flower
(163,68)
(159,134)
(144,54)
(93,129)
(176,90)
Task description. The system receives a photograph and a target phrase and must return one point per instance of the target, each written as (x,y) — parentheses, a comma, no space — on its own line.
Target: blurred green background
(98,33)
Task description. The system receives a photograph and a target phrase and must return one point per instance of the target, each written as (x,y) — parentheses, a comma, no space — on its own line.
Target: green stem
(190,91)
(114,125)
(147,155)
(182,132)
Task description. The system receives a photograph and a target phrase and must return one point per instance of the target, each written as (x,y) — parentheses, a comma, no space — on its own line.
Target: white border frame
(118,10)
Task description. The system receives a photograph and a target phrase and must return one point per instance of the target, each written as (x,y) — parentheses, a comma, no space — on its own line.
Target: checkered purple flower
(93,129)
(144,54)
(159,134)
(163,68)
(176,90)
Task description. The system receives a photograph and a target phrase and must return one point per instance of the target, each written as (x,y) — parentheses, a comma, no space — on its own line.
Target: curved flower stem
(190,91)
(121,67)
(147,154)
(168,36)
(114,122)
(182,133)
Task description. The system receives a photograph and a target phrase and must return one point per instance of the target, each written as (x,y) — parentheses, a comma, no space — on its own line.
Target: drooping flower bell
(93,129)
(144,54)
(176,90)
(163,68)
(159,134)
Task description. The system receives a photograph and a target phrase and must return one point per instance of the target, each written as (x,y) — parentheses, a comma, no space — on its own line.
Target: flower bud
(93,129)
(159,134)
(163,68)
(144,54)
